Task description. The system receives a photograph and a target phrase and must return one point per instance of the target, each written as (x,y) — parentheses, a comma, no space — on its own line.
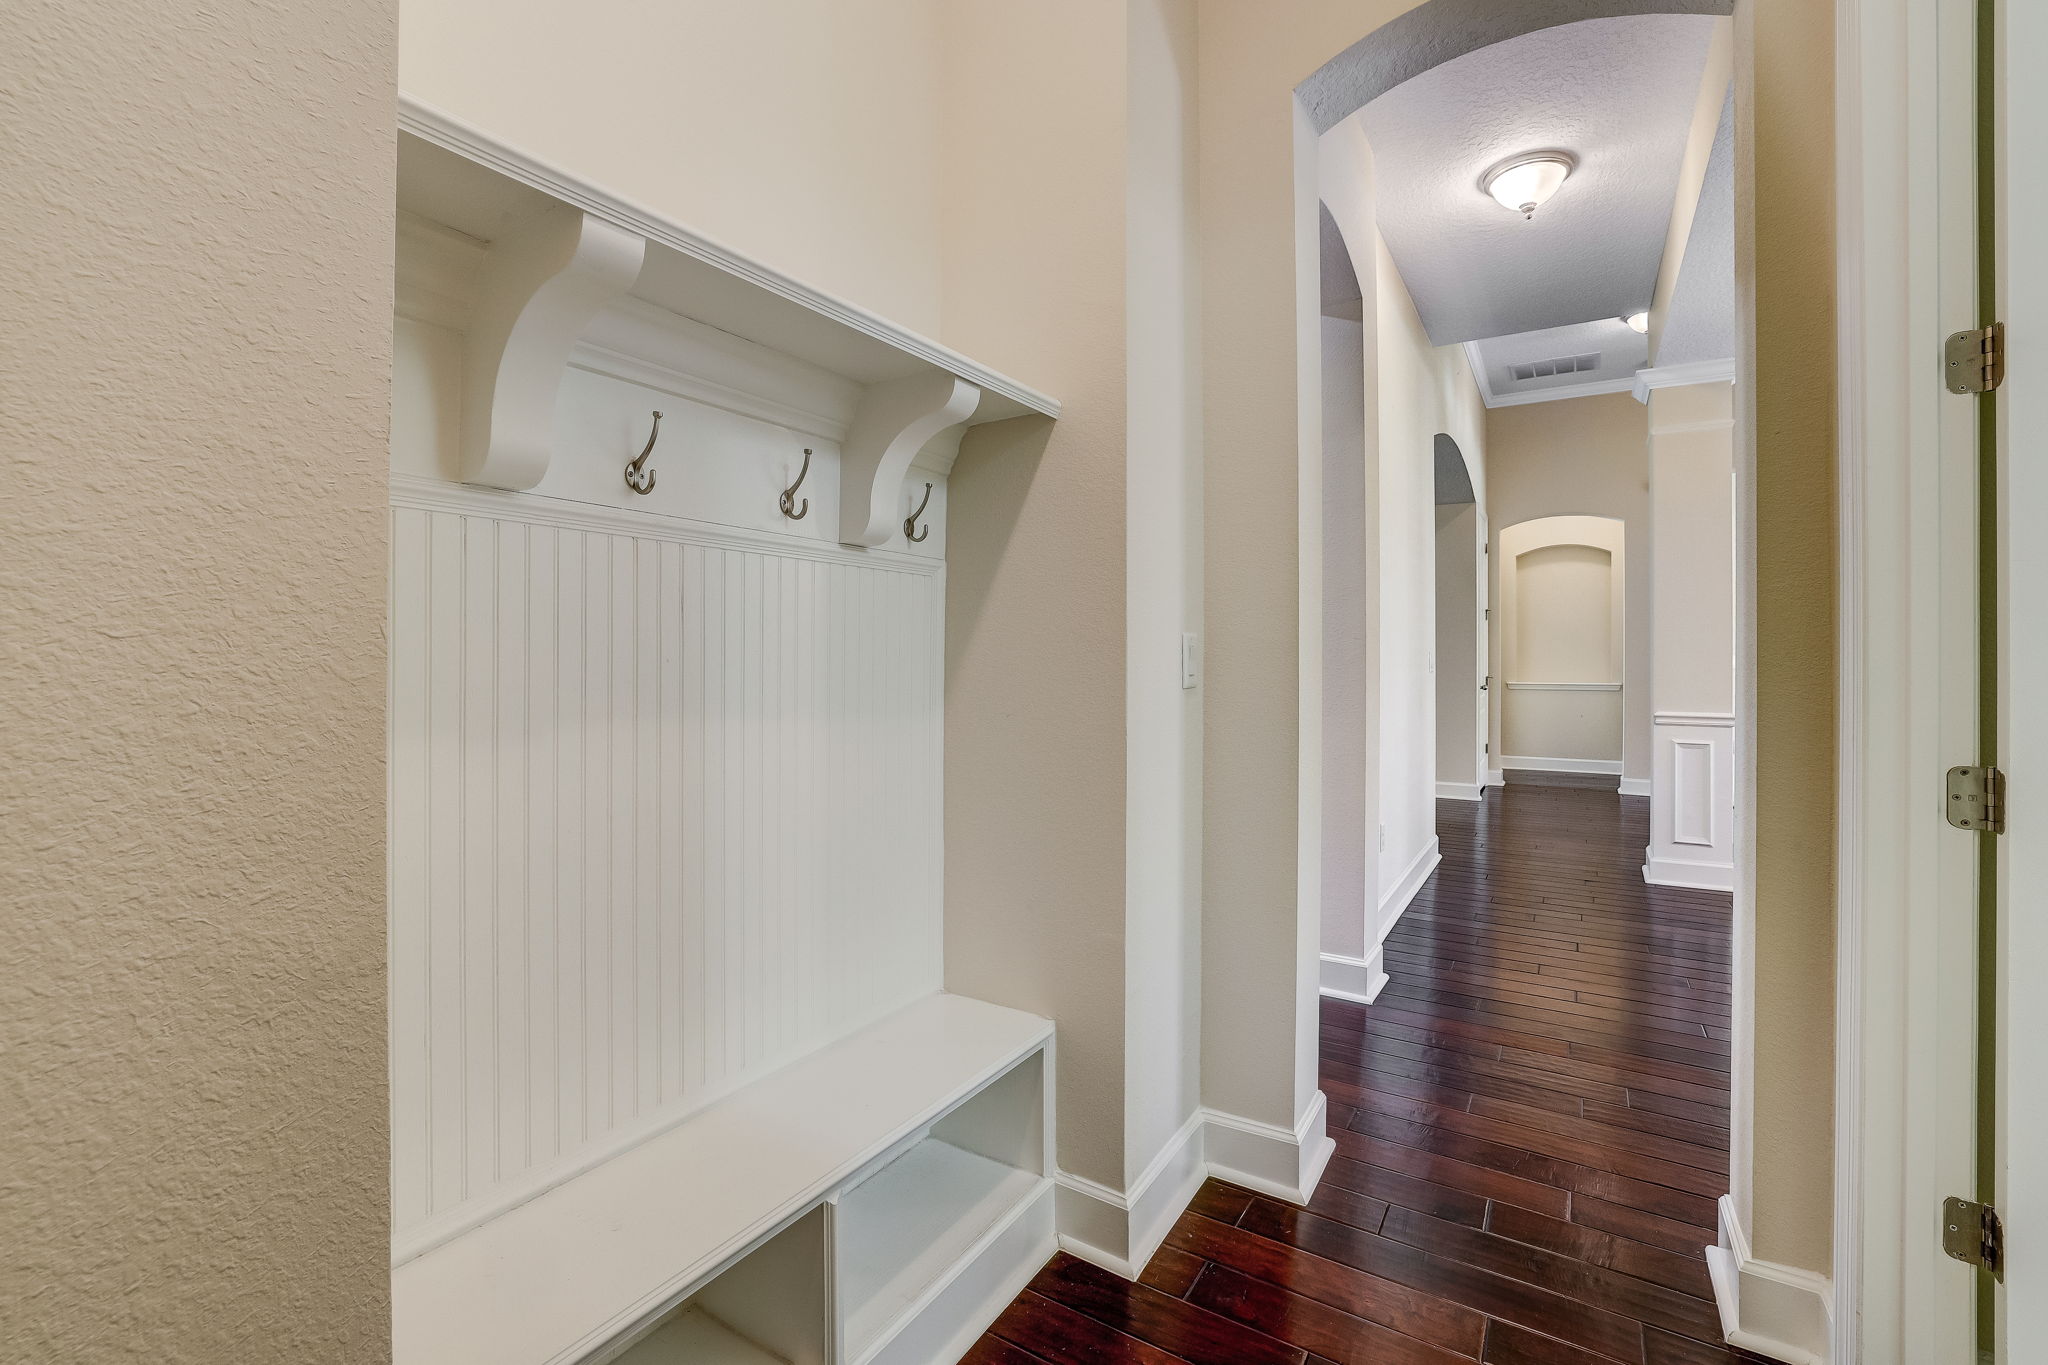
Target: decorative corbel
(893,423)
(542,284)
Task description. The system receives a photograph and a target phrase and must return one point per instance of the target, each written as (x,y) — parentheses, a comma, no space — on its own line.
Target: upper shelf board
(452,174)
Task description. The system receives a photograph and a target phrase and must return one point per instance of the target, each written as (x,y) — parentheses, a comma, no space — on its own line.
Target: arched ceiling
(1443,30)
(1616,94)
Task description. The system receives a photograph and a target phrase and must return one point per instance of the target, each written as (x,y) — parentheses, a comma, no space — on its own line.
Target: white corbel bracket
(893,423)
(542,285)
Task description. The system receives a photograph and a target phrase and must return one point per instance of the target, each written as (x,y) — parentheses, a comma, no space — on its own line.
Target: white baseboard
(1774,1310)
(1353,978)
(1591,767)
(1460,791)
(1412,878)
(1269,1159)
(1119,1231)
(1695,876)
(1496,778)
(1635,786)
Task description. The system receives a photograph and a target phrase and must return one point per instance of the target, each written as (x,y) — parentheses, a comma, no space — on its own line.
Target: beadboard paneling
(664,815)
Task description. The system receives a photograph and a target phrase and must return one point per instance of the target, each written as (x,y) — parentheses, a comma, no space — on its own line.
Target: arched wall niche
(1443,30)
(1562,699)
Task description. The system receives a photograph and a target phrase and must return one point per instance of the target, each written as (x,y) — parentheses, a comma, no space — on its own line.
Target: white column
(1692,637)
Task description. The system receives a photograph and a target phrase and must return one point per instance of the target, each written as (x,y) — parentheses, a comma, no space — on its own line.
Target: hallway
(1531,1126)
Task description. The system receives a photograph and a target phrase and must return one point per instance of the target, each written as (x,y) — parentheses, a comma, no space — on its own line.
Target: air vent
(1564,364)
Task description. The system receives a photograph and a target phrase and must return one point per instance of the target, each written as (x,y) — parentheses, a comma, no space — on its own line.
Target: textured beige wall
(800,132)
(196,288)
(1035,577)
(1579,457)
(1785,271)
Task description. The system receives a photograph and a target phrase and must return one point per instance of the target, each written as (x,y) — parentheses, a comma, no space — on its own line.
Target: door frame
(2020,1186)
(1907,655)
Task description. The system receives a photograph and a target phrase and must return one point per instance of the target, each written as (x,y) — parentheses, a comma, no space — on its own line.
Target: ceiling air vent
(1564,364)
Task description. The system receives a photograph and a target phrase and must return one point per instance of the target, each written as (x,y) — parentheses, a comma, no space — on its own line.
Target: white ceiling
(1701,323)
(1621,349)
(1617,93)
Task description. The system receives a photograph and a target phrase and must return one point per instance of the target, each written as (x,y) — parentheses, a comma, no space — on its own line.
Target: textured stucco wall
(196,354)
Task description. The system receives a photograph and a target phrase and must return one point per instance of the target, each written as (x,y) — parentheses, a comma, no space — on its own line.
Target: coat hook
(639,478)
(789,507)
(910,531)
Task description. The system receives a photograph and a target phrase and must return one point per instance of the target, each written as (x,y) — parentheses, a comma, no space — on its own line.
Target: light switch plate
(1190,661)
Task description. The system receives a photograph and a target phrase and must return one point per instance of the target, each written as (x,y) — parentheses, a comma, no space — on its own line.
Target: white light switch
(1190,661)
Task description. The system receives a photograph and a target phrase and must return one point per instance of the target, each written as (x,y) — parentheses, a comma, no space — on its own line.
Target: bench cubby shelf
(877,1201)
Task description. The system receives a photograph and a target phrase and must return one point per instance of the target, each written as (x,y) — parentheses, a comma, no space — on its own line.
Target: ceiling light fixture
(1638,322)
(1522,183)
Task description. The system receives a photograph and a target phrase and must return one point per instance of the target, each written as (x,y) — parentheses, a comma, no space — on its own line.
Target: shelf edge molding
(542,285)
(892,424)
(442,129)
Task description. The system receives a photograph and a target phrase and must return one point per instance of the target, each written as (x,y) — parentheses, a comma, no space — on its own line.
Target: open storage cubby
(772,1307)
(906,1227)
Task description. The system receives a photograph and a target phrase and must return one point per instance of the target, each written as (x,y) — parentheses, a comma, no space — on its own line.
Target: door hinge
(1976,799)
(1973,1235)
(1976,359)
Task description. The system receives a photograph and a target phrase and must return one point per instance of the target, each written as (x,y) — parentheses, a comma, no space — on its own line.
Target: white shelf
(694,1337)
(905,1226)
(562,252)
(555,1279)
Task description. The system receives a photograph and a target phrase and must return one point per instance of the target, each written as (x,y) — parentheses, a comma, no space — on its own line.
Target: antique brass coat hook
(639,478)
(789,507)
(910,529)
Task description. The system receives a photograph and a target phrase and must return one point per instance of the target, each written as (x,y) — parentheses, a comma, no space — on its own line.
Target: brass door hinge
(1976,359)
(1973,1235)
(1976,799)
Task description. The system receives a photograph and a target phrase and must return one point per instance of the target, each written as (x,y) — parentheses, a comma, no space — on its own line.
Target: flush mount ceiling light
(1522,183)
(1638,322)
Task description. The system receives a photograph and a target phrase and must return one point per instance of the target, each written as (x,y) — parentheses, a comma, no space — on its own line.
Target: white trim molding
(1120,1230)
(1267,1158)
(1590,767)
(1692,824)
(1460,791)
(1634,786)
(1678,376)
(1412,877)
(1564,686)
(1774,1310)
(1907,654)
(1357,979)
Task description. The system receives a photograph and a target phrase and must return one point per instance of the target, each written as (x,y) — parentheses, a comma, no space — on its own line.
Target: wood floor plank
(1329,1333)
(1191,1334)
(1531,1123)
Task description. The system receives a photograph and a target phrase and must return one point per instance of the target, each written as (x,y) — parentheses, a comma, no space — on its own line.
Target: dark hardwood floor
(1531,1126)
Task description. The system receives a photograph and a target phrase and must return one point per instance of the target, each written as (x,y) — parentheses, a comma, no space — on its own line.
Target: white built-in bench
(875,1203)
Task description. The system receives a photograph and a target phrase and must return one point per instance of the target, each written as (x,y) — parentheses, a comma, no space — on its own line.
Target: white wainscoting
(664,810)
(1692,800)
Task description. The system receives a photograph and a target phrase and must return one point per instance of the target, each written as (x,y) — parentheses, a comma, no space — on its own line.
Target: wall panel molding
(664,816)
(1692,811)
